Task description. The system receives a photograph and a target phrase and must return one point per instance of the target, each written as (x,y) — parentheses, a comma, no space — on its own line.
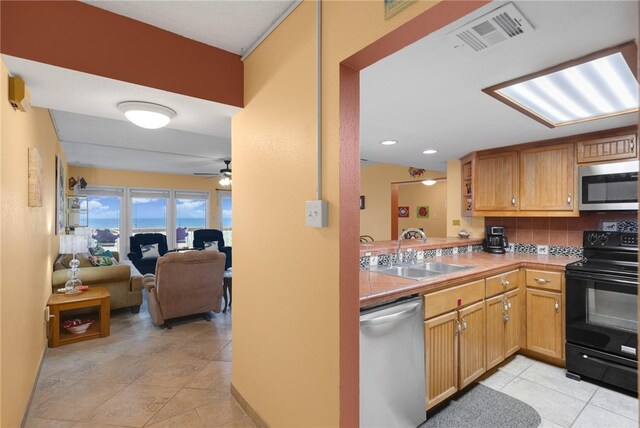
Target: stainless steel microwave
(608,187)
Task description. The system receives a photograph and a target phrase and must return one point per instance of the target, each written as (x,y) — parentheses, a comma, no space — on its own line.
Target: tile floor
(141,375)
(562,402)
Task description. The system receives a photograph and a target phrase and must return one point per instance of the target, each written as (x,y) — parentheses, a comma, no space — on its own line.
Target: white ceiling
(230,25)
(428,95)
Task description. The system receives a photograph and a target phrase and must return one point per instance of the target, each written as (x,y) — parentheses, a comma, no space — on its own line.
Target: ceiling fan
(225,173)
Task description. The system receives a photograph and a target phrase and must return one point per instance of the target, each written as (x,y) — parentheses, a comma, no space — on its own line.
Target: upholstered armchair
(186,283)
(201,236)
(146,264)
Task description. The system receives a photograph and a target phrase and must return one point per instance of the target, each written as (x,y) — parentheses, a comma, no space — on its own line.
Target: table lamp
(72,244)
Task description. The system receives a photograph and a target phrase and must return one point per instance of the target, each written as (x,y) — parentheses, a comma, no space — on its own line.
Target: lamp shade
(72,244)
(85,233)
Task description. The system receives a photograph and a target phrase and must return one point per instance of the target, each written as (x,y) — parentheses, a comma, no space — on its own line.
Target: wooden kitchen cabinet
(496,184)
(544,322)
(607,149)
(441,357)
(503,327)
(472,349)
(547,178)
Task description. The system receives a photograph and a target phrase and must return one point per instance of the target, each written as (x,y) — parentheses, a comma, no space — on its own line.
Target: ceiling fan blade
(206,174)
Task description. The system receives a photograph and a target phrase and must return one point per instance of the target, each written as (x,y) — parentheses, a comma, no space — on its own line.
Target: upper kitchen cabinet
(607,149)
(547,178)
(496,184)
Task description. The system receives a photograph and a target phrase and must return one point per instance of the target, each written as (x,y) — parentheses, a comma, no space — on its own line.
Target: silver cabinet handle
(513,200)
(505,283)
(632,146)
(569,199)
(506,317)
(458,328)
(541,280)
(557,306)
(464,323)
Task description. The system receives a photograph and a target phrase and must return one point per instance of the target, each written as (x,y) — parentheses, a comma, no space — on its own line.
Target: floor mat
(483,407)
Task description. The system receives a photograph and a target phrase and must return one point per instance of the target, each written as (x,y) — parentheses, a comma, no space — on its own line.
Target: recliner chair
(147,264)
(201,236)
(188,283)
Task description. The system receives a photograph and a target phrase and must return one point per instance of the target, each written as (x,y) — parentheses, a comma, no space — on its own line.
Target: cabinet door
(607,149)
(547,178)
(544,322)
(512,324)
(496,182)
(495,330)
(441,357)
(472,349)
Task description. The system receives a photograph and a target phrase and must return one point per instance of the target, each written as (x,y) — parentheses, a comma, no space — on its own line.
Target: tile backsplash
(562,231)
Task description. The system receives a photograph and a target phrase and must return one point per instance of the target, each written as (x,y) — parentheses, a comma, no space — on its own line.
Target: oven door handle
(603,278)
(608,363)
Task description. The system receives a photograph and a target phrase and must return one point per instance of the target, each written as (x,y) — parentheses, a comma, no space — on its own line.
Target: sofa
(123,280)
(186,283)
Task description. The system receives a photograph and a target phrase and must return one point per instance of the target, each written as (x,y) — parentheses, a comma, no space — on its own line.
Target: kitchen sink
(440,267)
(419,270)
(407,272)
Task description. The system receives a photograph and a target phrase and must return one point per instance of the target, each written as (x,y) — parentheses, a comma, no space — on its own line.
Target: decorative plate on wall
(423,212)
(403,211)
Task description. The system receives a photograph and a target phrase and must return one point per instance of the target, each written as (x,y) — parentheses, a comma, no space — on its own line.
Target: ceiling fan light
(225,181)
(147,115)
(429,182)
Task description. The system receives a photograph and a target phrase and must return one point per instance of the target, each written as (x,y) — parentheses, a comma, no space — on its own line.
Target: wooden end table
(58,303)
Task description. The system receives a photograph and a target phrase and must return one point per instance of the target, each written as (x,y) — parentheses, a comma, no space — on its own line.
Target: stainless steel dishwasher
(392,372)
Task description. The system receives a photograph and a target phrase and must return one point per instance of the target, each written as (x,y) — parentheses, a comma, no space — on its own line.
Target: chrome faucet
(402,236)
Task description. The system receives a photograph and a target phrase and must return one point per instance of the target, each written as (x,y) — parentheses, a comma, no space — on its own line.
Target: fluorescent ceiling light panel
(593,89)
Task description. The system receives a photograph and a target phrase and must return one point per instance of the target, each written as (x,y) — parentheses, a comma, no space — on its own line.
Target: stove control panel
(599,239)
(629,240)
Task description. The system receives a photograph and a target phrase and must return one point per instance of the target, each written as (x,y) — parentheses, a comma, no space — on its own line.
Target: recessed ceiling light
(429,182)
(596,86)
(388,142)
(147,115)
(430,152)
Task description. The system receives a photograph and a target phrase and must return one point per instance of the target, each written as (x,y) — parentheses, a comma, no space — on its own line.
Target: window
(191,214)
(148,211)
(104,206)
(224,215)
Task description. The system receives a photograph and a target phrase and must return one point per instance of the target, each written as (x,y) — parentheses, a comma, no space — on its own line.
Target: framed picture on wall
(361,202)
(403,211)
(60,211)
(391,7)
(422,212)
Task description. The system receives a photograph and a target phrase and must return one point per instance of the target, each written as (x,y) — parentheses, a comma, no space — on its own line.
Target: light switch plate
(542,250)
(316,213)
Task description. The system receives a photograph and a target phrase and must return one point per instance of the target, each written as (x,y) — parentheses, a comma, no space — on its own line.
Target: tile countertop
(384,247)
(376,288)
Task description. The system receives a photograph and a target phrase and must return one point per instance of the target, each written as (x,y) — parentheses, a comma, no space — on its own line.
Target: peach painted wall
(435,197)
(555,231)
(286,356)
(28,248)
(113,177)
(375,185)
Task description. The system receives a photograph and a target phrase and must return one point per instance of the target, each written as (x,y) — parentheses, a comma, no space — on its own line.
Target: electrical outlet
(316,213)
(512,248)
(542,250)
(456,222)
(47,314)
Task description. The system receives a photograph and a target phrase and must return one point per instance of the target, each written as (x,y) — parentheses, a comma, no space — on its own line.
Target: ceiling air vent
(495,27)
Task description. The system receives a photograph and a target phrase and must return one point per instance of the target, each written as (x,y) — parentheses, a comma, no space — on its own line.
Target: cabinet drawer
(544,279)
(447,300)
(501,283)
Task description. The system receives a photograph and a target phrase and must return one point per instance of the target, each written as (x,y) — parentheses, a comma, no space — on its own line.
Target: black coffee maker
(496,242)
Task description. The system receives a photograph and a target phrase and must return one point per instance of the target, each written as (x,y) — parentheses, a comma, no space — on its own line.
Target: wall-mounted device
(18,94)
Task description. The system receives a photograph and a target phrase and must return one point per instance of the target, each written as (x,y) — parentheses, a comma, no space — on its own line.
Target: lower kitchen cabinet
(441,357)
(503,326)
(454,351)
(471,339)
(544,322)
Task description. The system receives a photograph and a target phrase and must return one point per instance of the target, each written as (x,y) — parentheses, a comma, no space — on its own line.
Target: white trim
(271,29)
